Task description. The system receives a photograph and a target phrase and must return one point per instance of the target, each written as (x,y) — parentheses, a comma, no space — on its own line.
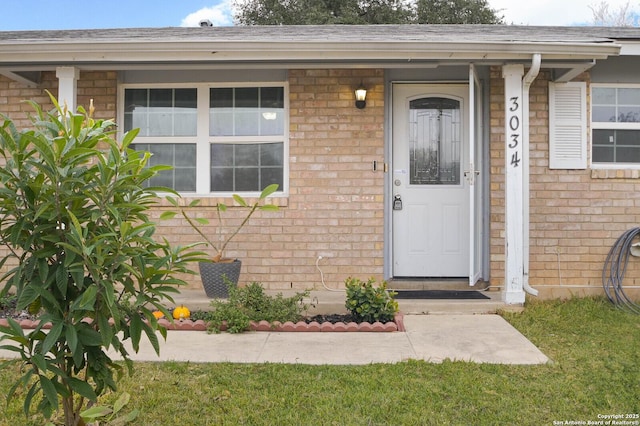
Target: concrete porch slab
(333,302)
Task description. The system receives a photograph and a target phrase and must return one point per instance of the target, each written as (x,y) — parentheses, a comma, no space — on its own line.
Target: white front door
(430,195)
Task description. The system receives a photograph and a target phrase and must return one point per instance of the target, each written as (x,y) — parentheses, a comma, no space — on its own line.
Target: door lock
(397,202)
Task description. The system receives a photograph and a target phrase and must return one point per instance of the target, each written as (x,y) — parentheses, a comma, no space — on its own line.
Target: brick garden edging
(200,325)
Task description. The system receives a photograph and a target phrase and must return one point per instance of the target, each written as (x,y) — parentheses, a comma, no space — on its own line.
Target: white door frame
(478,194)
(471,174)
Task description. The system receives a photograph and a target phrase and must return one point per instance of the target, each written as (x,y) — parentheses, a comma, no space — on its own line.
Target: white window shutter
(568,125)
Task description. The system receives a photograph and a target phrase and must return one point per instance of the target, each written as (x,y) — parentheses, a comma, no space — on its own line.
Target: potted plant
(221,270)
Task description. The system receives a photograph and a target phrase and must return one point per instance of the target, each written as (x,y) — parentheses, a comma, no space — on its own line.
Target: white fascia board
(629,48)
(72,53)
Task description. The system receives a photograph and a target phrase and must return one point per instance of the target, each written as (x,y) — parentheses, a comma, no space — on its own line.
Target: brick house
(420,183)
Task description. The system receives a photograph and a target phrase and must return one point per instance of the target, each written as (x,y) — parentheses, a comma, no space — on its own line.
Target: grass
(595,350)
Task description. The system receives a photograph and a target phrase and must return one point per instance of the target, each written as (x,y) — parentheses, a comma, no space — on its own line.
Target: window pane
(221,98)
(222,179)
(628,114)
(603,137)
(602,155)
(272,175)
(134,98)
(629,96)
(162,154)
(185,179)
(135,110)
(628,155)
(246,111)
(221,155)
(185,155)
(272,111)
(186,98)
(271,122)
(604,114)
(221,122)
(161,112)
(272,97)
(247,122)
(247,179)
(164,178)
(246,167)
(247,155)
(628,137)
(246,97)
(604,96)
(185,124)
(160,122)
(159,98)
(271,154)
(182,157)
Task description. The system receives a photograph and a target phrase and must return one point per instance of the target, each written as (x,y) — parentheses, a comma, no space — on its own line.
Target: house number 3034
(514,127)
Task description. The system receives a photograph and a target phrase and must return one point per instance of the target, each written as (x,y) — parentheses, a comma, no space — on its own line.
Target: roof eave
(265,51)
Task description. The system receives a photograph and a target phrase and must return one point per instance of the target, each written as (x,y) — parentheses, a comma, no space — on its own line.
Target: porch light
(361,97)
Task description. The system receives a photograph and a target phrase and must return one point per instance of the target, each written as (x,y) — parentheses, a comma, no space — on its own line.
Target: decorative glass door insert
(434,141)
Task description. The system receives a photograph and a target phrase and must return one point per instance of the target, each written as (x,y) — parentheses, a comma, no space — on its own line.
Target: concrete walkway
(436,330)
(432,338)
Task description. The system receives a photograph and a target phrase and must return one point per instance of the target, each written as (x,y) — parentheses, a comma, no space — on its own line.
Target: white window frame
(203,140)
(599,125)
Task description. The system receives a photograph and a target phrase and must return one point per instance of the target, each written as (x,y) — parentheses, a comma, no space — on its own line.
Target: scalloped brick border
(200,325)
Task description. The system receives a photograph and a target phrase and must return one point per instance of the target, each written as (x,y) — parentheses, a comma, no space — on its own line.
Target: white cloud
(552,12)
(220,15)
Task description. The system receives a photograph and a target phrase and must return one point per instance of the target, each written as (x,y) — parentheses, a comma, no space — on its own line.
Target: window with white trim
(615,124)
(218,139)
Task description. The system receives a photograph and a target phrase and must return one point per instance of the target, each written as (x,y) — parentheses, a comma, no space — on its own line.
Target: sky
(83,14)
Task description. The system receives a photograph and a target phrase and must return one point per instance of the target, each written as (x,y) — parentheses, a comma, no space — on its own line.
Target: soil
(8,310)
(334,318)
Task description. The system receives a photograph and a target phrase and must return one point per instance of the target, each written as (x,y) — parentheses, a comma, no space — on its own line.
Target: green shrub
(74,223)
(370,303)
(250,303)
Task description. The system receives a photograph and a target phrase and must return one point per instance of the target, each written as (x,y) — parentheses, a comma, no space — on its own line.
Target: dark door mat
(439,294)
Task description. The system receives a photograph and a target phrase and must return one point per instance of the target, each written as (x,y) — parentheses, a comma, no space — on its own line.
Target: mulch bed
(317,323)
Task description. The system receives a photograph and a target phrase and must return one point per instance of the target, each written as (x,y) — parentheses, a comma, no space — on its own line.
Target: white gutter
(526,84)
(16,52)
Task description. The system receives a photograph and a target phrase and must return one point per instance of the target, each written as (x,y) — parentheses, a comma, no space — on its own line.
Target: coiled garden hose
(614,269)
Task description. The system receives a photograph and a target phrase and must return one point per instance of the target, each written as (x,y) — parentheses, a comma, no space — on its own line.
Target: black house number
(514,126)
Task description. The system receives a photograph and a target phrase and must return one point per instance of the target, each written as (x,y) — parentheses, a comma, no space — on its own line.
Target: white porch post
(68,87)
(513,292)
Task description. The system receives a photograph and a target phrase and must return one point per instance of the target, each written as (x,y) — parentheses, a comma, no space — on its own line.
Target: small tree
(457,12)
(624,16)
(73,214)
(362,12)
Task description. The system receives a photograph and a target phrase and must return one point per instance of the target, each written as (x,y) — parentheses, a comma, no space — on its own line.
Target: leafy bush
(250,303)
(8,301)
(73,220)
(369,303)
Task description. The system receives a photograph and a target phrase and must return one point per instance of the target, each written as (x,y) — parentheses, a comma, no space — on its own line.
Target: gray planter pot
(213,274)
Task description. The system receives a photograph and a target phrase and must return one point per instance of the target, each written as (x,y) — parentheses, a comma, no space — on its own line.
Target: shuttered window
(568,125)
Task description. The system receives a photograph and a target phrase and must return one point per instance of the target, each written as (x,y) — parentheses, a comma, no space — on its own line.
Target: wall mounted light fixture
(361,97)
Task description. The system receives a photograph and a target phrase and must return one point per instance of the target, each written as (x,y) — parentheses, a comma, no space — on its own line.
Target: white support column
(513,292)
(68,87)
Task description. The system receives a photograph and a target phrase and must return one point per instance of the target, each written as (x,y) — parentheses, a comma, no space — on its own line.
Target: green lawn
(595,350)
